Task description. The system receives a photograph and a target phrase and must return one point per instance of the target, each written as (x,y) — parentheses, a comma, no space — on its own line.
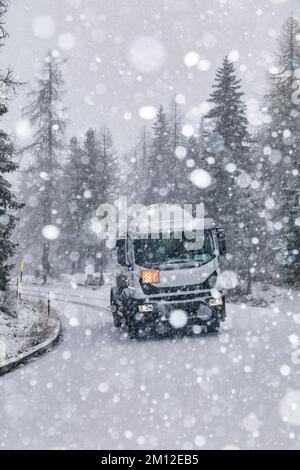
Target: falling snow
(152,102)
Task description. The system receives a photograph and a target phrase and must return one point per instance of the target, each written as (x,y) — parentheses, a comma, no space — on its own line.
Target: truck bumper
(195,312)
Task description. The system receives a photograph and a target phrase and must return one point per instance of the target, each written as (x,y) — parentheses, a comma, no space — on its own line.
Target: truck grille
(182,297)
(150,289)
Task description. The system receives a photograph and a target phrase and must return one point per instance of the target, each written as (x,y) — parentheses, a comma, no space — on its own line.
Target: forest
(248,180)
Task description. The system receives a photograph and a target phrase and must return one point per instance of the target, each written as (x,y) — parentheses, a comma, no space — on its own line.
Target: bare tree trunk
(45,262)
(249,283)
(48,182)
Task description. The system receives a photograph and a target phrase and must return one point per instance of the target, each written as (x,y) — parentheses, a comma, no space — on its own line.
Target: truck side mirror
(121,252)
(221,242)
(122,282)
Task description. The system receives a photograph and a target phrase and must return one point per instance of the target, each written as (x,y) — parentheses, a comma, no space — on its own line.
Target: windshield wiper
(177,261)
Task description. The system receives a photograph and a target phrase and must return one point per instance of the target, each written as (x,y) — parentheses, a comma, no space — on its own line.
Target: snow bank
(25,330)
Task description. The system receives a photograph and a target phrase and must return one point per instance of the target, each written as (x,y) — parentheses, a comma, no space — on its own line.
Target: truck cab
(162,286)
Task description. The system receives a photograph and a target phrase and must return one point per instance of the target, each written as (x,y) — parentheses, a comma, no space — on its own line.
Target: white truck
(159,278)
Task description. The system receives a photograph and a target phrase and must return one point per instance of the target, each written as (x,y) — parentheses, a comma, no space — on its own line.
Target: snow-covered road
(99,390)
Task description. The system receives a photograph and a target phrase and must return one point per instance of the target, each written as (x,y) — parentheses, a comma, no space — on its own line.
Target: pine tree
(134,181)
(209,149)
(109,187)
(233,205)
(109,164)
(74,200)
(93,174)
(229,111)
(159,177)
(8,203)
(227,139)
(90,178)
(47,117)
(141,157)
(290,269)
(132,178)
(189,193)
(175,120)
(281,141)
(180,187)
(94,187)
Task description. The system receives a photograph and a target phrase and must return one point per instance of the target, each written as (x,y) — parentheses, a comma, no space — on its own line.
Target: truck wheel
(114,310)
(214,327)
(132,331)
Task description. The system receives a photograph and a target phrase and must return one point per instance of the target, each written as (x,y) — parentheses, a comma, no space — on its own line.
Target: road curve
(99,390)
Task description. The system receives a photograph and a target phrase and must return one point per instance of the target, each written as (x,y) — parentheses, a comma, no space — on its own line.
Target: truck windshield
(151,252)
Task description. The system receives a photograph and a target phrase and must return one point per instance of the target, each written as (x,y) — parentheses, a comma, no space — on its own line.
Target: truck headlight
(204,312)
(145,308)
(215,302)
(212,281)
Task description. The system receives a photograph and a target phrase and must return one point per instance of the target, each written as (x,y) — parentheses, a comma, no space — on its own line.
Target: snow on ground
(22,326)
(100,390)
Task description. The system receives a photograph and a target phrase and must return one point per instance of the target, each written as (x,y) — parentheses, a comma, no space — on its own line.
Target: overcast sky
(124,55)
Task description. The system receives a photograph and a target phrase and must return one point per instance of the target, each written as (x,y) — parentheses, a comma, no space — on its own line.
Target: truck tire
(132,331)
(114,310)
(213,328)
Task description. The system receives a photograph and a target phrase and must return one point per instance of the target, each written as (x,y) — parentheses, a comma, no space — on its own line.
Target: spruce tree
(159,172)
(8,203)
(132,180)
(179,185)
(92,171)
(140,160)
(290,268)
(109,167)
(227,140)
(74,198)
(189,193)
(93,187)
(233,205)
(229,111)
(175,122)
(109,187)
(281,141)
(90,178)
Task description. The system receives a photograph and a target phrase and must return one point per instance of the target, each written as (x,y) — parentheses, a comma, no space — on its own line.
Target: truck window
(172,251)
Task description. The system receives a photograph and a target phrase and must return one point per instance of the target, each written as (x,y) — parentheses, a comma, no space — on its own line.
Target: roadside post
(20,282)
(48,305)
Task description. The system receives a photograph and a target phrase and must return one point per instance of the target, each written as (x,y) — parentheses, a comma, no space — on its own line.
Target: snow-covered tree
(229,146)
(46,114)
(175,122)
(90,178)
(92,186)
(8,203)
(290,268)
(179,185)
(74,199)
(135,168)
(229,111)
(109,166)
(159,174)
(95,184)
(281,140)
(187,191)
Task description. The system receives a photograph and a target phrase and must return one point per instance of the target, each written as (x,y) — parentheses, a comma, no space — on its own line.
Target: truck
(162,286)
